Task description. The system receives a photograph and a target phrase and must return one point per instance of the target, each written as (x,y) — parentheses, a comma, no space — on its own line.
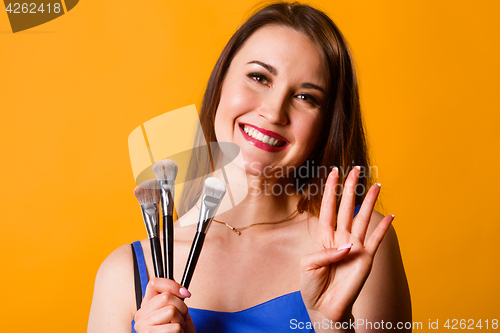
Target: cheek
(233,103)
(237,98)
(311,129)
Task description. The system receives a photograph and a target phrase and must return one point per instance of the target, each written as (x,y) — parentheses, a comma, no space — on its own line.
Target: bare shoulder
(374,221)
(385,295)
(114,297)
(119,261)
(389,245)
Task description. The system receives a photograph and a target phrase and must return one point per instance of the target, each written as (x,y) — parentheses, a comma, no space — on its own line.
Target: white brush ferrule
(209,206)
(151,216)
(167,189)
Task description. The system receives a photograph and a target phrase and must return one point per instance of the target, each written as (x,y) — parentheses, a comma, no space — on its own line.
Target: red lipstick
(260,144)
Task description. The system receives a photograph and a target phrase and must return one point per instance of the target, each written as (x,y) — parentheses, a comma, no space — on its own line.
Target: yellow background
(74,88)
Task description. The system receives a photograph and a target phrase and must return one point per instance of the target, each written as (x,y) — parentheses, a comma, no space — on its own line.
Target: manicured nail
(184,292)
(378,184)
(344,247)
(357,167)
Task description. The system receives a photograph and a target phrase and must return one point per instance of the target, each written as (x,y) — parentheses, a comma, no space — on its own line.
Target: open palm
(333,275)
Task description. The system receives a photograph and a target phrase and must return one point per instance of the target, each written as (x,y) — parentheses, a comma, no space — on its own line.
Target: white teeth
(259,136)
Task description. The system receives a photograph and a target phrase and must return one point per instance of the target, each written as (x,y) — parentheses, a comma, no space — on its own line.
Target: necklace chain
(239,230)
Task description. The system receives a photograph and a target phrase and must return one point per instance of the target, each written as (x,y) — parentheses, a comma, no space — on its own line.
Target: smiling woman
(269,89)
(284,90)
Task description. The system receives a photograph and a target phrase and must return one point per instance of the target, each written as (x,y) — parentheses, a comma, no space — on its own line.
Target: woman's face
(272,99)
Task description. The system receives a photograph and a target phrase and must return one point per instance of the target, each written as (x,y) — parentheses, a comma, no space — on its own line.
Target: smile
(264,139)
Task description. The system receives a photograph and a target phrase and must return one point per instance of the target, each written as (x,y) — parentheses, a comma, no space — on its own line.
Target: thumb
(324,257)
(159,285)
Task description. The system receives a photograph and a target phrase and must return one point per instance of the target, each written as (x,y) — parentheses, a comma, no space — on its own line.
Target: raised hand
(162,309)
(333,275)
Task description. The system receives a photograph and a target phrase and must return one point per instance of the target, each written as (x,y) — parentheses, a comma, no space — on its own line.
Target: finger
(163,300)
(365,213)
(165,315)
(378,234)
(167,328)
(325,257)
(346,209)
(164,320)
(327,216)
(159,285)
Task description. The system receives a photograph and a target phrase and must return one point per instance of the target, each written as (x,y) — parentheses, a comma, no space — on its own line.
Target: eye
(309,99)
(260,78)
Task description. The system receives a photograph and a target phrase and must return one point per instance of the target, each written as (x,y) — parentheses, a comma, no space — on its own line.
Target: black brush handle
(168,245)
(193,258)
(156,254)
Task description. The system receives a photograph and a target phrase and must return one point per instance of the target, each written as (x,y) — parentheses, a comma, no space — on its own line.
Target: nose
(274,109)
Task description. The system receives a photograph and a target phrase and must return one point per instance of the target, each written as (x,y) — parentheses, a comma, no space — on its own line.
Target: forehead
(291,52)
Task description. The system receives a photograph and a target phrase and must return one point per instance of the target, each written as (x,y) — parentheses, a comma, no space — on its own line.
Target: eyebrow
(312,86)
(274,71)
(270,68)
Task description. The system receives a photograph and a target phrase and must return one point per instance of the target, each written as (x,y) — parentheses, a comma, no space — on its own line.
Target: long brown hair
(342,141)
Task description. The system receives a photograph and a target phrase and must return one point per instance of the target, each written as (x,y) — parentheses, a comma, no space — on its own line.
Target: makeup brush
(148,195)
(213,192)
(166,171)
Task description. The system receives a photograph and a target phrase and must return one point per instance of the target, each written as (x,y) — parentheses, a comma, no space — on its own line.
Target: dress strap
(140,276)
(356,210)
(141,265)
(137,280)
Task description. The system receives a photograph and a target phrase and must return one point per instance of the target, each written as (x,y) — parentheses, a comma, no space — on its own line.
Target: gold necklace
(239,230)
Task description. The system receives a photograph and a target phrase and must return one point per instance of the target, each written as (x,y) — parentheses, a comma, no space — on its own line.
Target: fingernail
(184,292)
(378,184)
(357,167)
(344,247)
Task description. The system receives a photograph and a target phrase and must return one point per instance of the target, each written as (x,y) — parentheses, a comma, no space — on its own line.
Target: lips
(264,139)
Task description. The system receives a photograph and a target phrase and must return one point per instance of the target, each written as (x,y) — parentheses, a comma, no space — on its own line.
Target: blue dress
(281,314)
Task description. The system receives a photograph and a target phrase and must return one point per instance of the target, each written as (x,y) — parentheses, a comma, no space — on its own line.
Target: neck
(251,199)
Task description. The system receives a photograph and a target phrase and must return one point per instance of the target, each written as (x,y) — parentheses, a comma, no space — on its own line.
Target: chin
(254,168)
(263,168)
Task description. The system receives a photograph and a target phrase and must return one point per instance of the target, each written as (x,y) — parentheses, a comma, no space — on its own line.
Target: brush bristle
(214,187)
(165,170)
(148,192)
